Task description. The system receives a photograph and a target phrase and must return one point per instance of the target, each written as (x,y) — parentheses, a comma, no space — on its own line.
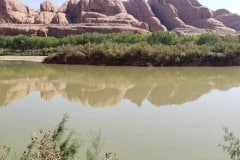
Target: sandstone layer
(107,16)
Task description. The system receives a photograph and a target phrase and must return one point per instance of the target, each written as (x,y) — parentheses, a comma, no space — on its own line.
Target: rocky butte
(108,16)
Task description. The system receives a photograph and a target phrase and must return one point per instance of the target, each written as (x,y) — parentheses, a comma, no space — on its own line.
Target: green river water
(143,113)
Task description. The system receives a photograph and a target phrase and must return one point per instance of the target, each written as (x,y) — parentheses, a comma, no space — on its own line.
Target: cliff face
(12,11)
(228,19)
(134,15)
(142,11)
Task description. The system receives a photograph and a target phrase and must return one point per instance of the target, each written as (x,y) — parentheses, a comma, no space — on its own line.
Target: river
(142,113)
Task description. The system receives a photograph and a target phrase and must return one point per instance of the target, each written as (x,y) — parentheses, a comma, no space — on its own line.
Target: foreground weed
(56,145)
(231,145)
(4,152)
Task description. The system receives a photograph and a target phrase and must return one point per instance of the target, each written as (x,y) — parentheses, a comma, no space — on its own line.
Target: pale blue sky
(232,5)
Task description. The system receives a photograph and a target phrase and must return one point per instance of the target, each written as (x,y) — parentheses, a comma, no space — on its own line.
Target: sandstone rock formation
(47,6)
(64,30)
(49,13)
(78,16)
(167,13)
(229,19)
(12,11)
(220,12)
(107,7)
(73,10)
(141,10)
(187,14)
(194,14)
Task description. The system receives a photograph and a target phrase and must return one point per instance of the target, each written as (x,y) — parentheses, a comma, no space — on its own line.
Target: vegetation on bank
(144,54)
(60,144)
(157,49)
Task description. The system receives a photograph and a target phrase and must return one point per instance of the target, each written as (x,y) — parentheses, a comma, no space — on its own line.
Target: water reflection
(107,86)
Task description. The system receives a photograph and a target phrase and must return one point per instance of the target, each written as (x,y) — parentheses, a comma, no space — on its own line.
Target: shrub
(231,39)
(219,47)
(187,39)
(168,38)
(209,39)
(126,37)
(20,42)
(56,145)
(60,144)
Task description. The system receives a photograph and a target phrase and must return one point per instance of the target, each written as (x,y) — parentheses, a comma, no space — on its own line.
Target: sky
(232,5)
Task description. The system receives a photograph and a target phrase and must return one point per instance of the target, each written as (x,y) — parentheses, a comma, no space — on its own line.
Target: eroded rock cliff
(141,10)
(78,16)
(229,19)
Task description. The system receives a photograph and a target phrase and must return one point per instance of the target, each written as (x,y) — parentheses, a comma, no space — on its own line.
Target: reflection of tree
(106,86)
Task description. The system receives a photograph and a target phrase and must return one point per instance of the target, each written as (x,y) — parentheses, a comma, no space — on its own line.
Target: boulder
(141,10)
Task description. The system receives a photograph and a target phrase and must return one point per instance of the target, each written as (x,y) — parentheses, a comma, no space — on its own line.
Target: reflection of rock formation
(94,96)
(101,86)
(18,89)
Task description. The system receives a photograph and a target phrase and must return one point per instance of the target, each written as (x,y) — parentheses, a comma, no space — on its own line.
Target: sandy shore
(23,58)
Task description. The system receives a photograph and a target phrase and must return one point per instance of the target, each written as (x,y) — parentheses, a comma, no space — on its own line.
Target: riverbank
(23,58)
(144,54)
(153,61)
(128,49)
